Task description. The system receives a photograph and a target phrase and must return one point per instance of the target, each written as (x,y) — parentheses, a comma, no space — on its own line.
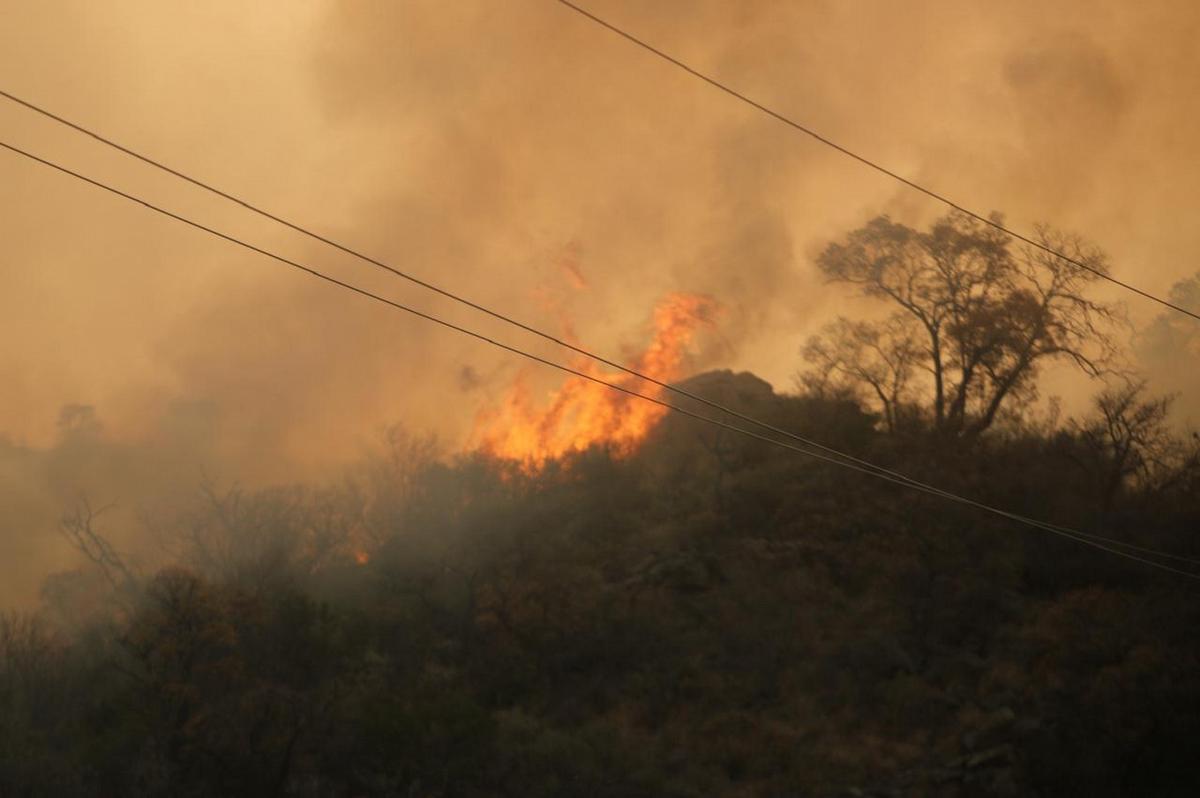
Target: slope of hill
(709,616)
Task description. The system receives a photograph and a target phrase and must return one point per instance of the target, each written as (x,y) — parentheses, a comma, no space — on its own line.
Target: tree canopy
(972,318)
(707,616)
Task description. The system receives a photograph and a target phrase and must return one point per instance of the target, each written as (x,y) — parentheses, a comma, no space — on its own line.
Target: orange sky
(519,153)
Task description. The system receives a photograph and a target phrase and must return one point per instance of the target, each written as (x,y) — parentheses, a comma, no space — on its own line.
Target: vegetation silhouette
(704,615)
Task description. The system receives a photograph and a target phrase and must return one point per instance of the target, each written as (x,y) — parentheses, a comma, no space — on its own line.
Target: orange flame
(582,413)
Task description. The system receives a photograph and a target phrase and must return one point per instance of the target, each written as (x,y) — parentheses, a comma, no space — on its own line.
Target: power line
(389,268)
(904,482)
(873,164)
(517,323)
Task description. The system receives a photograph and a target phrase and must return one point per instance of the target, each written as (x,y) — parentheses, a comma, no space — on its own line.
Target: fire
(582,413)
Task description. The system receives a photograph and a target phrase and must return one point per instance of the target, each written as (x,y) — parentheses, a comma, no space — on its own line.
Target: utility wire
(874,164)
(904,482)
(512,321)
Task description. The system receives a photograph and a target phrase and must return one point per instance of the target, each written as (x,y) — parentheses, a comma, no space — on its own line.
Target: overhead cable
(526,327)
(840,460)
(862,159)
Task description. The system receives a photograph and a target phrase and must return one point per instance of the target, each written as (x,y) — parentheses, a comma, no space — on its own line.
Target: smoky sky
(520,154)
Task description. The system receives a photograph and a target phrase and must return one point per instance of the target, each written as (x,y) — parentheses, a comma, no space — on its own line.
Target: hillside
(708,616)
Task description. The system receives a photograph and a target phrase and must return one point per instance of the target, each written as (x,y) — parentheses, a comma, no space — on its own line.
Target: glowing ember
(361,557)
(582,413)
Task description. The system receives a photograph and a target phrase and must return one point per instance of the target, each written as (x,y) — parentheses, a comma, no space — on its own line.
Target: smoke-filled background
(539,164)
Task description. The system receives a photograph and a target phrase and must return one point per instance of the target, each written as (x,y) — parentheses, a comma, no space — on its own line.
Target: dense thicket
(710,616)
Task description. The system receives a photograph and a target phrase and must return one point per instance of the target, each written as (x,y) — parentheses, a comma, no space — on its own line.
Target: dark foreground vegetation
(711,616)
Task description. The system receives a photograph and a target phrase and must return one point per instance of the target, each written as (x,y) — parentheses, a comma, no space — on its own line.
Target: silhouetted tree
(1130,441)
(988,316)
(867,361)
(78,526)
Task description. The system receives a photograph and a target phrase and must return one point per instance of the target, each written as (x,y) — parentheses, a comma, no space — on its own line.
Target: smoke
(1165,348)
(537,163)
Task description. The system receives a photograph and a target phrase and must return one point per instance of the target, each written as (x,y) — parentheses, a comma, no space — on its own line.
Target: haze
(537,163)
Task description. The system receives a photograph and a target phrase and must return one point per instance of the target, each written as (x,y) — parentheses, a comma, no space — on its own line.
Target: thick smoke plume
(532,160)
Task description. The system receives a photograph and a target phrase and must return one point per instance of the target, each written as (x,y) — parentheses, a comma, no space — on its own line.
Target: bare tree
(78,528)
(987,317)
(253,539)
(860,358)
(1131,443)
(391,482)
